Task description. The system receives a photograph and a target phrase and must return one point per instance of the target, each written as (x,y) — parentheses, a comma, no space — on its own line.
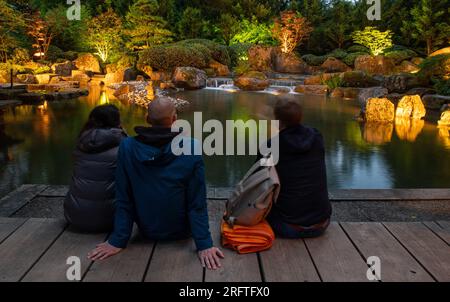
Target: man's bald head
(288,112)
(162,112)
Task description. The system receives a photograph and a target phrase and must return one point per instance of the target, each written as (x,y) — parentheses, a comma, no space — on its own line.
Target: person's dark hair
(288,112)
(104,116)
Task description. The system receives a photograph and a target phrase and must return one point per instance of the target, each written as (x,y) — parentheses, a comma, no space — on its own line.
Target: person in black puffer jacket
(89,204)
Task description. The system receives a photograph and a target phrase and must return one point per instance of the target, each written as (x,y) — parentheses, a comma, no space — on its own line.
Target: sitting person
(303,209)
(163,193)
(89,204)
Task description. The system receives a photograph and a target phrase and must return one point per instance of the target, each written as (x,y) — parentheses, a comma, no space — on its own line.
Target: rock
(421,91)
(31,97)
(350,93)
(334,65)
(379,110)
(417,61)
(408,129)
(402,82)
(189,78)
(358,79)
(26,78)
(369,93)
(411,106)
(124,89)
(63,69)
(121,75)
(441,52)
(319,79)
(87,62)
(44,78)
(252,81)
(435,101)
(312,89)
(337,93)
(260,58)
(445,119)
(378,133)
(220,70)
(75,73)
(167,85)
(81,77)
(289,63)
(375,65)
(407,67)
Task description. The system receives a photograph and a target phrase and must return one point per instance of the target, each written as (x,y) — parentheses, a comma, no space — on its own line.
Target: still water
(36,142)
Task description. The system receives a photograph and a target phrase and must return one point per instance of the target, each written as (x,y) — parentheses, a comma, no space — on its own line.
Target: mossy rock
(358,79)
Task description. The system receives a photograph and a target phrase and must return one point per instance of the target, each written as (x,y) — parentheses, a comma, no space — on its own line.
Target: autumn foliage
(290,30)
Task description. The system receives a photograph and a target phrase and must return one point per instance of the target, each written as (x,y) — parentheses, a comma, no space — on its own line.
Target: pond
(37,141)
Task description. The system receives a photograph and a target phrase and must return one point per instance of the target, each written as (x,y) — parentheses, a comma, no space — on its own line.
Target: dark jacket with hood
(89,205)
(163,193)
(303,198)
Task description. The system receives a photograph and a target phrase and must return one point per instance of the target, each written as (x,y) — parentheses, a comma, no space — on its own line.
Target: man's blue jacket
(163,193)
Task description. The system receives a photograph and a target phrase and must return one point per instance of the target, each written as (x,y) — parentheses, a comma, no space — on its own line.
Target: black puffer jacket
(89,205)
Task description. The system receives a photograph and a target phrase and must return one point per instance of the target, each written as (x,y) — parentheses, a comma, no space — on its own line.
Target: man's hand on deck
(210,258)
(103,251)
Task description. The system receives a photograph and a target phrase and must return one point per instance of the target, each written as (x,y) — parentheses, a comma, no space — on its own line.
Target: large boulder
(87,62)
(189,78)
(312,89)
(375,64)
(26,78)
(379,110)
(320,78)
(252,81)
(334,65)
(411,106)
(289,63)
(445,119)
(407,67)
(443,51)
(369,93)
(435,101)
(349,93)
(402,82)
(121,75)
(220,70)
(63,69)
(44,78)
(421,91)
(358,79)
(260,58)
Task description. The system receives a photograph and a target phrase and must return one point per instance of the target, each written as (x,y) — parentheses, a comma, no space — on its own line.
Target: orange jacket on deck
(247,240)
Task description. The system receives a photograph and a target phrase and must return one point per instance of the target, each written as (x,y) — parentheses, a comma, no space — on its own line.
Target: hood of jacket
(298,139)
(152,145)
(100,140)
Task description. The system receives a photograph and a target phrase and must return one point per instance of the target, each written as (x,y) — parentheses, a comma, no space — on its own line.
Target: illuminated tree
(104,33)
(10,22)
(253,32)
(146,28)
(290,30)
(376,41)
(39,30)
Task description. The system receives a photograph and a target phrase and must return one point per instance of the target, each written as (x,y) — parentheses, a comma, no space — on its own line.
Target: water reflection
(408,129)
(377,133)
(444,136)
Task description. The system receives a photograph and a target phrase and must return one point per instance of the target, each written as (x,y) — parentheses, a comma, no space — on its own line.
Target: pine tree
(337,26)
(145,26)
(429,23)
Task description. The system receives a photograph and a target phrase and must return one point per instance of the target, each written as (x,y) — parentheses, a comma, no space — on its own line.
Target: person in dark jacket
(303,209)
(163,193)
(89,204)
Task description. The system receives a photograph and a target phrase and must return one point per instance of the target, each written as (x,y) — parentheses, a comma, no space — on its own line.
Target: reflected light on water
(378,133)
(444,136)
(104,98)
(408,129)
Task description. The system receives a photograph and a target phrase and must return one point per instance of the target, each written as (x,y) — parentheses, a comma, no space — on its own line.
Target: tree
(11,22)
(104,33)
(253,32)
(338,28)
(429,23)
(290,30)
(39,30)
(228,26)
(145,27)
(376,41)
(192,24)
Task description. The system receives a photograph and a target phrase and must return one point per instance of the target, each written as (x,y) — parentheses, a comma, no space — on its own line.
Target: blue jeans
(289,231)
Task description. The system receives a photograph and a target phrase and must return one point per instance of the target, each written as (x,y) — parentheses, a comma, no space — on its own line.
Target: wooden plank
(52,266)
(397,265)
(175,262)
(23,248)
(128,266)
(439,230)
(288,261)
(431,251)
(8,226)
(15,200)
(336,258)
(235,267)
(55,191)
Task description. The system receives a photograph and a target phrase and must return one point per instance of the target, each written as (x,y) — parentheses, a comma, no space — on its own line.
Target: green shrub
(54,53)
(217,51)
(338,54)
(401,55)
(42,69)
(358,48)
(70,55)
(333,83)
(435,68)
(350,58)
(21,56)
(314,60)
(242,67)
(442,87)
(239,52)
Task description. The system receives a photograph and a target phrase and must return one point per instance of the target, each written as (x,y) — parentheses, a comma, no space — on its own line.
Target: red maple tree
(290,30)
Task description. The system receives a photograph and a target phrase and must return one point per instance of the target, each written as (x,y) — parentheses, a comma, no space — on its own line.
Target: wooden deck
(37,249)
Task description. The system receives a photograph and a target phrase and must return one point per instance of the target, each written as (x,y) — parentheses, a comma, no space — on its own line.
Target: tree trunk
(429,46)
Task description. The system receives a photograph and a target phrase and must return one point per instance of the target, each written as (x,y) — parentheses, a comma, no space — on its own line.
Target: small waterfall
(218,82)
(278,85)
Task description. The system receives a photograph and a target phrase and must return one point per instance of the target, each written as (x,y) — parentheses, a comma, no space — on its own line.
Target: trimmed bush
(401,55)
(358,48)
(54,53)
(442,87)
(70,55)
(350,58)
(338,54)
(217,51)
(314,60)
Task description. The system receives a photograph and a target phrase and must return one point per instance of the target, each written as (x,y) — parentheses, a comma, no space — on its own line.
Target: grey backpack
(254,196)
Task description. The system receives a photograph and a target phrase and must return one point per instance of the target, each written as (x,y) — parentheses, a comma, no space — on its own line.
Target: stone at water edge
(63,69)
(368,93)
(87,62)
(335,65)
(312,89)
(320,78)
(435,101)
(445,119)
(411,106)
(289,63)
(252,81)
(358,79)
(189,78)
(220,70)
(379,110)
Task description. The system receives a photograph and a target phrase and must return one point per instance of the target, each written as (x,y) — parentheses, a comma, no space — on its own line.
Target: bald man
(164,194)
